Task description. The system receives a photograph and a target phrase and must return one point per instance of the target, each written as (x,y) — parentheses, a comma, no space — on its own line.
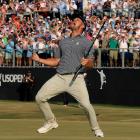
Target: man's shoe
(99,133)
(48,126)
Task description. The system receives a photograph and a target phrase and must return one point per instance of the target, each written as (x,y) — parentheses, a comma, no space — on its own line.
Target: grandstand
(29,26)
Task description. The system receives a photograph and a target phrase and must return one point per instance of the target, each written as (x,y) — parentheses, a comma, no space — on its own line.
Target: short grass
(19,121)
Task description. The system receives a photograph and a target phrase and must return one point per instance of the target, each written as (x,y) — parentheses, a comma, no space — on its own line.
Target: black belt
(69,73)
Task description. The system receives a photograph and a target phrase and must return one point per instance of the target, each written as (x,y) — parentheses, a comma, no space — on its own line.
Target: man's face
(76,24)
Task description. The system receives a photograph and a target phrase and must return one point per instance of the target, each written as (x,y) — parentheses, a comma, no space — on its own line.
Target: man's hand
(48,61)
(87,62)
(35,57)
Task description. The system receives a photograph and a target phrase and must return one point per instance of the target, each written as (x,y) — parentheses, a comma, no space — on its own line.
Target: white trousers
(60,83)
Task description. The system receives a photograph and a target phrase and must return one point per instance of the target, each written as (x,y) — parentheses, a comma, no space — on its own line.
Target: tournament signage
(107,86)
(10,78)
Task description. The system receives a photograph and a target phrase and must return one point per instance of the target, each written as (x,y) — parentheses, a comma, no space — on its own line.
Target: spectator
(113,50)
(125,8)
(1,52)
(99,11)
(72,7)
(19,50)
(26,20)
(107,8)
(29,52)
(113,7)
(9,49)
(123,48)
(131,41)
(55,9)
(41,46)
(25,42)
(113,22)
(136,49)
(62,8)
(104,47)
(131,7)
(96,53)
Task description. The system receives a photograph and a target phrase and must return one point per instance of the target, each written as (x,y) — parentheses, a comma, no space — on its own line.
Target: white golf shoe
(48,126)
(99,133)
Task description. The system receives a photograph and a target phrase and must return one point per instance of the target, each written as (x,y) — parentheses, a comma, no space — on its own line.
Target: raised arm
(49,61)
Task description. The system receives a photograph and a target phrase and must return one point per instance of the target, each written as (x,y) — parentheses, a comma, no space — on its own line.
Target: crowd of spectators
(38,25)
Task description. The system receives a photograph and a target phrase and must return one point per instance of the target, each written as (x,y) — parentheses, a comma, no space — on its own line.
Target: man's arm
(49,61)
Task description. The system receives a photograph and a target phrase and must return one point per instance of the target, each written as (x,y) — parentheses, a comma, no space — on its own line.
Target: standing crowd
(27,26)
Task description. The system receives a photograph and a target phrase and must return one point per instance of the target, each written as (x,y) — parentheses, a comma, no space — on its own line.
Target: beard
(74,27)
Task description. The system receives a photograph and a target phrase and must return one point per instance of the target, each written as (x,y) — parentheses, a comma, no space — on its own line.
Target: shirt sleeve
(57,51)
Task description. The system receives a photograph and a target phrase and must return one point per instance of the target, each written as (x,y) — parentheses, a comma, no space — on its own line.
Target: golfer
(68,58)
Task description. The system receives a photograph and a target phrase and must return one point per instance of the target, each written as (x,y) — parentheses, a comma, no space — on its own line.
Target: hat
(40,36)
(41,17)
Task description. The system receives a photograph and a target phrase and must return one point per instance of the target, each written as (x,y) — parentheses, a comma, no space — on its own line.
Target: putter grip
(75,75)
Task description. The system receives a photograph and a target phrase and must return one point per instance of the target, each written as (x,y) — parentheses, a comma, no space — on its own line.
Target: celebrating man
(69,57)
